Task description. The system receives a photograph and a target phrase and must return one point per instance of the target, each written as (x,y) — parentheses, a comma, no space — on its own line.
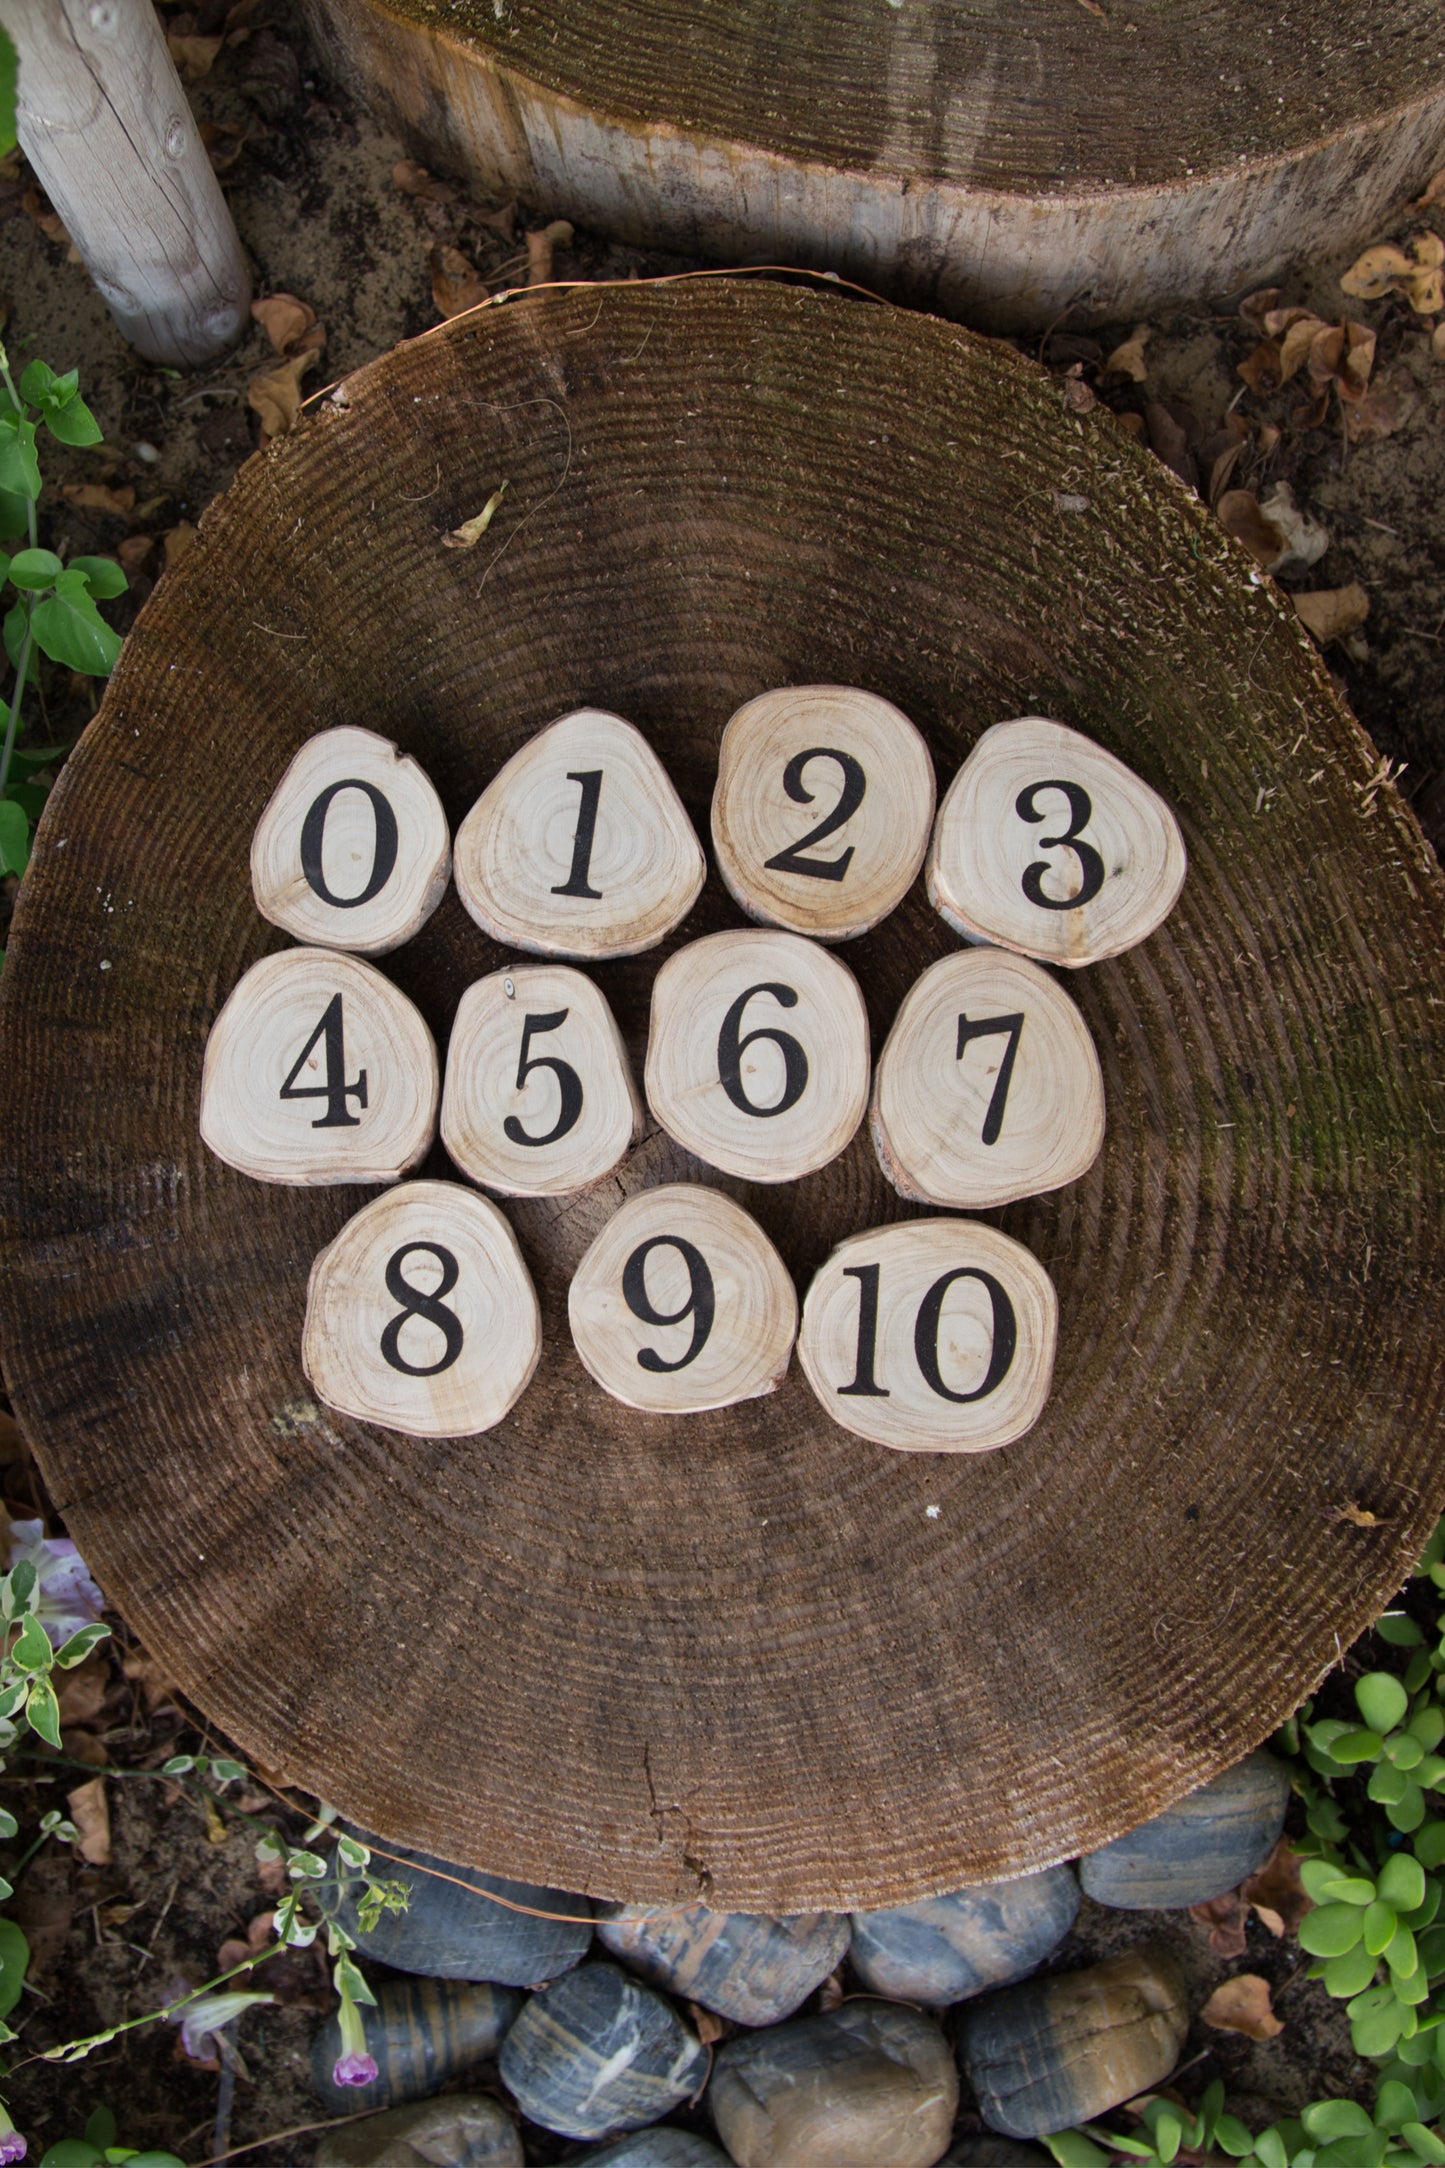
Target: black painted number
(1091,865)
(415,1303)
(383,850)
(569,1084)
(731,1049)
(585,835)
(989,1027)
(926,1329)
(700,1306)
(855,783)
(335,1090)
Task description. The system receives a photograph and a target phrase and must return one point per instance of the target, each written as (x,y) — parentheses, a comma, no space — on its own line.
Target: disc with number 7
(421,1315)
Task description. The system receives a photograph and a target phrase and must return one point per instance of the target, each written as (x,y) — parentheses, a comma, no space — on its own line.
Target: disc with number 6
(932,1336)
(682,1303)
(421,1315)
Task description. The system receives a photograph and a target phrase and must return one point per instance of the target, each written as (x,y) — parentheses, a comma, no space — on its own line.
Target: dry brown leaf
(1343,355)
(194,56)
(90,1811)
(1242,2005)
(831,1995)
(1377,415)
(471,531)
(1329,613)
(455,283)
(224,141)
(1434,192)
(1276,1892)
(81,1693)
(176,541)
(1078,398)
(540,245)
(414,180)
(708,2026)
(1416,273)
(1169,441)
(50,223)
(234,1951)
(99,497)
(502,221)
(271,1874)
(1296,337)
(1261,369)
(1132,426)
(284,319)
(156,1683)
(1256,307)
(1239,514)
(1225,1917)
(1128,359)
(83,1746)
(276,394)
(135,553)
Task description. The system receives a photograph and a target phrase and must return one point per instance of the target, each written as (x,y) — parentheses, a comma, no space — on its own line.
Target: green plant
(98,2147)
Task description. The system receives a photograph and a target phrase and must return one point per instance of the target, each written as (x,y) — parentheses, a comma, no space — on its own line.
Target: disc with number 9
(421,1315)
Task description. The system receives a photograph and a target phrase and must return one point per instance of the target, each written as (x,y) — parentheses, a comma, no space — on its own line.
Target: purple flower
(66,1598)
(12,2147)
(350,2069)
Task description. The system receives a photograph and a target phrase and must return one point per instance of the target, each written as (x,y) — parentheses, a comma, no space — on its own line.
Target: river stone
(660,2149)
(421,2033)
(867,2083)
(597,2052)
(752,1967)
(1053,2052)
(447,1933)
(462,2131)
(948,1948)
(1203,1845)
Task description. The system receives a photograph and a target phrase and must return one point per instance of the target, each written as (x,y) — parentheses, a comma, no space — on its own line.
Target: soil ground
(310,181)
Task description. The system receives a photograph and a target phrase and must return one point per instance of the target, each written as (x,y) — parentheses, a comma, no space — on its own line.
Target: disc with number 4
(682,1303)
(934,1336)
(1046,844)
(421,1315)
(317,1070)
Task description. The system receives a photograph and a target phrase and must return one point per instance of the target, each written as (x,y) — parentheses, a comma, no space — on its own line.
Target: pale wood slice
(682,1303)
(988,1087)
(317,1070)
(1048,845)
(822,810)
(421,1314)
(352,850)
(936,1336)
(757,1054)
(539,1097)
(580,846)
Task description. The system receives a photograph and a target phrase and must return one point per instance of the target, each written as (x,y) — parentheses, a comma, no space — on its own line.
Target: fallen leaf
(540,245)
(1297,341)
(1239,513)
(1221,452)
(1276,1888)
(224,141)
(176,541)
(271,1874)
(1261,370)
(81,1693)
(100,497)
(1389,270)
(193,56)
(414,180)
(90,1812)
(708,2026)
(284,319)
(1128,359)
(455,283)
(831,1994)
(472,530)
(156,1683)
(1169,441)
(1078,398)
(503,221)
(1343,355)
(1242,2005)
(1255,307)
(1329,613)
(1377,415)
(83,1746)
(50,223)
(276,394)
(1132,425)
(234,1951)
(135,552)
(1225,1918)
(1305,540)
(1434,192)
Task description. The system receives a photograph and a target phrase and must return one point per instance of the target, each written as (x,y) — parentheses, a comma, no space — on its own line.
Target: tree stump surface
(745,1657)
(1005,160)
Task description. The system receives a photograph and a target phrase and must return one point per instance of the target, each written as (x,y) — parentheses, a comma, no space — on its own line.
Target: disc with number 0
(682,1304)
(936,1336)
(318,1070)
(352,851)
(421,1315)
(1047,844)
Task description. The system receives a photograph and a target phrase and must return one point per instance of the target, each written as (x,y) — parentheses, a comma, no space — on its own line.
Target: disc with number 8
(421,1315)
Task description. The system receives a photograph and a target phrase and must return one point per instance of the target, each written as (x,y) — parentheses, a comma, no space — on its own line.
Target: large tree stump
(655,1658)
(1002,161)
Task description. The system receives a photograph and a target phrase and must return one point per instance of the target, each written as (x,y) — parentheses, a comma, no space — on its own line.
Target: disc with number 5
(421,1315)
(682,1303)
(933,1336)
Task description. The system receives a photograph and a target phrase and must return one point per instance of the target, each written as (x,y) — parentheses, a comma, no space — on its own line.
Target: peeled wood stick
(104,121)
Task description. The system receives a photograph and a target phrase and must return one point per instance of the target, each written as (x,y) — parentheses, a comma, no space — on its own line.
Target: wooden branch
(539,1097)
(682,1304)
(988,1087)
(1047,844)
(352,850)
(105,123)
(421,1315)
(580,846)
(757,1054)
(318,1070)
(816,762)
(933,1337)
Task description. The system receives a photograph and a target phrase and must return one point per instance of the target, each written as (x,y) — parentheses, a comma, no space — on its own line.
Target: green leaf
(1346,1889)
(1376,2031)
(14,837)
(100,2130)
(1381,1700)
(103,576)
(43,1711)
(1409,1812)
(1413,1989)
(19,465)
(17,619)
(1388,1785)
(1395,2105)
(1071,2149)
(1330,1930)
(1349,1974)
(1429,1845)
(354,1854)
(78,1647)
(229,1772)
(179,1765)
(1315,1874)
(14,1960)
(32,1651)
(1360,2150)
(1428,1726)
(1400,1630)
(1404,1750)
(1326,2120)
(35,568)
(1168,2135)
(31,762)
(1378,1928)
(305,1866)
(72,422)
(1425,2143)
(14,515)
(1269,2145)
(41,382)
(1231,2137)
(1360,1743)
(70,629)
(9,71)
(1401,1882)
(72,2153)
(1402,1956)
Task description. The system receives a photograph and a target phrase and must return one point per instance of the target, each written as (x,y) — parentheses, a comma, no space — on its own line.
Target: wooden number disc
(580,846)
(988,1087)
(539,1096)
(822,810)
(318,1070)
(1048,845)
(352,850)
(936,1336)
(757,1054)
(421,1314)
(682,1303)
